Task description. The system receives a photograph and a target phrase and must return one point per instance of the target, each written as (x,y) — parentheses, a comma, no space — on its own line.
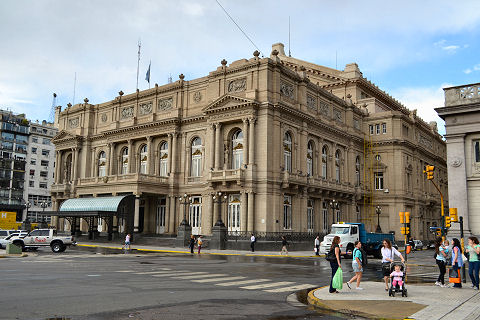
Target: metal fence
(274,236)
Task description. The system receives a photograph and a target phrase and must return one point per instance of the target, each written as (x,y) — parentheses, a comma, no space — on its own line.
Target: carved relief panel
(237,85)
(145,108)
(126,113)
(165,104)
(312,102)
(287,90)
(73,123)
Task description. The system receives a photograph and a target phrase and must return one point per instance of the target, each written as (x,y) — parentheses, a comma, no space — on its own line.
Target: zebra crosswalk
(223,280)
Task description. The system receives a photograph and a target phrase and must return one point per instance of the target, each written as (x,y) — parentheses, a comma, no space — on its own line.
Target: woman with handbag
(457,263)
(334,258)
(441,259)
(388,255)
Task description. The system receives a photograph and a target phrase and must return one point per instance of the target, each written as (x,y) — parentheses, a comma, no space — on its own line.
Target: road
(84,284)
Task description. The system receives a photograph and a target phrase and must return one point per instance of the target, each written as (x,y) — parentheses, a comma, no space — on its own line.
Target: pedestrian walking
(317,246)
(199,243)
(388,255)
(457,263)
(284,246)
(252,242)
(127,242)
(334,258)
(357,265)
(473,250)
(191,245)
(441,254)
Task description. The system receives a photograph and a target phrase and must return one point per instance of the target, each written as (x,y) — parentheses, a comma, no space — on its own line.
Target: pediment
(64,135)
(229,102)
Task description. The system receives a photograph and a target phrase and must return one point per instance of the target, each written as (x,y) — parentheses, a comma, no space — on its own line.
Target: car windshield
(340,230)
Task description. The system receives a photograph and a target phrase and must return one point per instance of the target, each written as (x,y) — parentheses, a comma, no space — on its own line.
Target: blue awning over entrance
(109,204)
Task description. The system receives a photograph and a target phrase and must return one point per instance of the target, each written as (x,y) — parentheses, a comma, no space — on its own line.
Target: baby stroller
(392,290)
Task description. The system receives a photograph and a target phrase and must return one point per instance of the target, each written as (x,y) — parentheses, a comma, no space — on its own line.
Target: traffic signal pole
(429,171)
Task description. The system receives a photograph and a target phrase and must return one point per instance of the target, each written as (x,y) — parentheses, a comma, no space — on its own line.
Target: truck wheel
(349,252)
(56,247)
(63,248)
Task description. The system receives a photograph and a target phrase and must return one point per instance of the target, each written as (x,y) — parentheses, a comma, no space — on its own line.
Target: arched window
(143,159)
(125,161)
(337,165)
(164,159)
(324,162)
(102,164)
(357,171)
(287,152)
(237,149)
(310,215)
(196,162)
(68,168)
(310,158)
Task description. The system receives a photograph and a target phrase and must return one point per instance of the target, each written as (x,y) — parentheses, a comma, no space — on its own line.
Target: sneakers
(475,288)
(348,285)
(437,283)
(472,286)
(358,288)
(444,286)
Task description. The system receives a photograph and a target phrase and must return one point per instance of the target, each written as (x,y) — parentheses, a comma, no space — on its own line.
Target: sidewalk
(423,302)
(150,248)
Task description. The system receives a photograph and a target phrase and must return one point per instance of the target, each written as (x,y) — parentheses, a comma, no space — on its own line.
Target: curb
(205,252)
(22,255)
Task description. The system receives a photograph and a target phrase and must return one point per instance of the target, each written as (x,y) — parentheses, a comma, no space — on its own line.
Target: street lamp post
(335,206)
(184,229)
(26,223)
(378,211)
(219,230)
(44,204)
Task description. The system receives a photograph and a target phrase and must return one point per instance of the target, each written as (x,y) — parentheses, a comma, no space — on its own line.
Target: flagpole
(149,73)
(138,62)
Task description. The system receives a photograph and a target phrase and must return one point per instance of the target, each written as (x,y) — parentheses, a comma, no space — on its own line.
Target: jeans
(443,270)
(252,245)
(459,269)
(473,270)
(334,266)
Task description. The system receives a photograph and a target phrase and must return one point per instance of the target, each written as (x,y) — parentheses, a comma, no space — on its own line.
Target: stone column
(75,164)
(218,145)
(150,166)
(170,155)
(111,155)
(173,154)
(207,215)
(130,155)
(245,141)
(244,212)
(171,214)
(136,217)
(211,150)
(58,161)
(251,145)
(251,211)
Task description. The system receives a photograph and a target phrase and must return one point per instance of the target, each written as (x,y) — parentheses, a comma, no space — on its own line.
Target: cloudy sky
(411,49)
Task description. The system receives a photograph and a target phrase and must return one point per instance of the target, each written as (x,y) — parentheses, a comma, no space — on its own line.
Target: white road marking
(237,283)
(187,277)
(93,275)
(125,271)
(170,274)
(191,275)
(291,288)
(153,272)
(268,285)
(218,279)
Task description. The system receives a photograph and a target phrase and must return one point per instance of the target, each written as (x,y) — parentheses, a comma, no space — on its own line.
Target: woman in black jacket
(335,263)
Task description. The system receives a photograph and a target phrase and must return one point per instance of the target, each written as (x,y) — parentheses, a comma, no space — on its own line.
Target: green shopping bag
(337,281)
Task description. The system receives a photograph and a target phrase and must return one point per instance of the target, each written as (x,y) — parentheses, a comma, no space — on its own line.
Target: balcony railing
(130,177)
(227,175)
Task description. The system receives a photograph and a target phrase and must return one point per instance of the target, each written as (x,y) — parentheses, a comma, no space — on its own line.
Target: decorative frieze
(324,109)
(165,104)
(424,141)
(287,90)
(104,117)
(197,97)
(73,123)
(356,123)
(337,115)
(145,108)
(237,85)
(126,112)
(312,102)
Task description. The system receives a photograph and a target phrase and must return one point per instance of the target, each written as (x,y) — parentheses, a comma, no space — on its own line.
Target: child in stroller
(397,279)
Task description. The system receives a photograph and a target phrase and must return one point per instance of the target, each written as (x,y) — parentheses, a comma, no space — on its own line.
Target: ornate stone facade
(251,131)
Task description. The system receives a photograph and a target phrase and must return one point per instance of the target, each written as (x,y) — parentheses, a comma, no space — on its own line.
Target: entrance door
(234,209)
(161,210)
(141,221)
(100,224)
(195,215)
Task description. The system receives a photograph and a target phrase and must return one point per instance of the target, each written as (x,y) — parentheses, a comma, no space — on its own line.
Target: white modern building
(462,123)
(40,168)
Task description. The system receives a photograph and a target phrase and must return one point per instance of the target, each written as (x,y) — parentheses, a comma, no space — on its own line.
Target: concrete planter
(13,249)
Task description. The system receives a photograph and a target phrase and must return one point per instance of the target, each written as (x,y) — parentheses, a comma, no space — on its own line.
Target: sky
(410,49)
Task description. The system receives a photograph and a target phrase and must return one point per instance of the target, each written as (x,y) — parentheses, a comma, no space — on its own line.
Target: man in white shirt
(317,245)
(252,242)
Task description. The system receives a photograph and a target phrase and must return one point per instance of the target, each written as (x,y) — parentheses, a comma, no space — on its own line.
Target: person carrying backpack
(357,264)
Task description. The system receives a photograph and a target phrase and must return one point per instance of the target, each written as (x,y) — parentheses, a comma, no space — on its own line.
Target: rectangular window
(34,139)
(310,215)
(34,150)
(31,184)
(43,185)
(476,150)
(32,172)
(378,180)
(370,128)
(287,212)
(377,128)
(324,216)
(33,161)
(45,152)
(44,174)
(44,163)
(46,141)
(384,128)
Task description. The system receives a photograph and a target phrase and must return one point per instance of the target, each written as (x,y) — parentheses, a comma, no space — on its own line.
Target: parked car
(6,233)
(418,245)
(7,240)
(44,238)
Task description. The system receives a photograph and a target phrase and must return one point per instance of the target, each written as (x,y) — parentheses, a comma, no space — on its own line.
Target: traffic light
(429,172)
(453,214)
(405,230)
(402,217)
(448,223)
(407,217)
(438,232)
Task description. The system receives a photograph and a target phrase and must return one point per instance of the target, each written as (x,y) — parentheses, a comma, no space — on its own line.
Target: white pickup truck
(43,238)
